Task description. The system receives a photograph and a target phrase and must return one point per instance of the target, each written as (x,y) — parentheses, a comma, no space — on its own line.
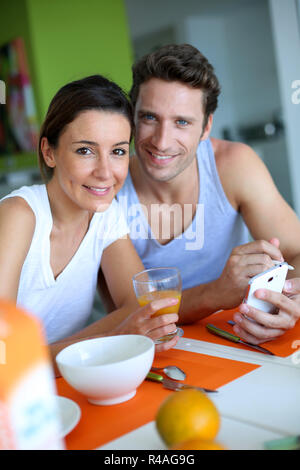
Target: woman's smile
(96,191)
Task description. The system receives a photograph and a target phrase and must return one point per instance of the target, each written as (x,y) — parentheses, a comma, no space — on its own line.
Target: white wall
(146,16)
(207,33)
(236,36)
(243,59)
(237,39)
(285,23)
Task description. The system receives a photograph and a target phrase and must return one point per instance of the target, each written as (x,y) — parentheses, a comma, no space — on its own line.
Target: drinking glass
(159,283)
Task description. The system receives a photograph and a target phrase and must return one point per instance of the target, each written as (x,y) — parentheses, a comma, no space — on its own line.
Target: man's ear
(207,128)
(48,153)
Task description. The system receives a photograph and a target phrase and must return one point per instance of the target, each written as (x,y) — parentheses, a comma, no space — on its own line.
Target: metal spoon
(173,372)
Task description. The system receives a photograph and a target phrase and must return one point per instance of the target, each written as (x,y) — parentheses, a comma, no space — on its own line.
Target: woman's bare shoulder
(16,211)
(17,225)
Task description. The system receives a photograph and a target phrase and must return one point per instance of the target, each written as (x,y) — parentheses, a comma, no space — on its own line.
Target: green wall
(75,38)
(14,23)
(69,39)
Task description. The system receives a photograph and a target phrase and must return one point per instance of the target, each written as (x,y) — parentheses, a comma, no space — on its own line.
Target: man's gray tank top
(202,250)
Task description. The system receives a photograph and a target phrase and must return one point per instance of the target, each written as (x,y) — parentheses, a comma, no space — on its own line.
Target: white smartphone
(272,279)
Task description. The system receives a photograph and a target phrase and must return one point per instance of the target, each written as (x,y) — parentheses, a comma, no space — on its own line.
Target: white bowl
(107,370)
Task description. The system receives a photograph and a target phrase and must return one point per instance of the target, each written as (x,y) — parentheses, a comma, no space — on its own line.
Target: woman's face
(91,160)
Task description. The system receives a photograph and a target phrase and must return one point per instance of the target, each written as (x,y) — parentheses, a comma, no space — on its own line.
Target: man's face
(169,122)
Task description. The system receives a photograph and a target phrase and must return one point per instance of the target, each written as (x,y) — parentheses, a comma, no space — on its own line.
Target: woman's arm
(119,263)
(17,224)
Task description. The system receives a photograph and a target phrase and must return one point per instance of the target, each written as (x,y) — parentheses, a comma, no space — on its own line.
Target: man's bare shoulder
(240,169)
(235,153)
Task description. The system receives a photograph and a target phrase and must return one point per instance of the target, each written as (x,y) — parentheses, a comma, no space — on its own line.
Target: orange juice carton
(28,412)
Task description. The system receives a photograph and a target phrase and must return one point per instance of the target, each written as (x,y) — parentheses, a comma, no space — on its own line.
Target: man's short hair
(178,62)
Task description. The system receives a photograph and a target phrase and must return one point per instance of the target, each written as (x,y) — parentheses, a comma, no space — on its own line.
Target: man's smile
(160,158)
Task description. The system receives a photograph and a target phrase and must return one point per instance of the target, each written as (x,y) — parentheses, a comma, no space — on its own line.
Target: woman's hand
(142,322)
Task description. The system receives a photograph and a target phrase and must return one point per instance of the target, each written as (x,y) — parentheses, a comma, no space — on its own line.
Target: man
(210,191)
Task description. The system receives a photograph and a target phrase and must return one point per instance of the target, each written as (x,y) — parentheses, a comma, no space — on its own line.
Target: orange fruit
(198,444)
(186,415)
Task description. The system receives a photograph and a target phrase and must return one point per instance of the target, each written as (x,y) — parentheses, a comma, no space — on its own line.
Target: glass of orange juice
(159,283)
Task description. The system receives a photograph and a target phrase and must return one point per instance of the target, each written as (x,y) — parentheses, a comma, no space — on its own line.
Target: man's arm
(251,190)
(228,291)
(264,210)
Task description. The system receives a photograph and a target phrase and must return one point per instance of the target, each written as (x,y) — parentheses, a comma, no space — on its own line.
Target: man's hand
(267,326)
(244,262)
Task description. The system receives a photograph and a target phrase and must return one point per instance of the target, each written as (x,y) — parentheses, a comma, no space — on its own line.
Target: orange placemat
(281,346)
(101,424)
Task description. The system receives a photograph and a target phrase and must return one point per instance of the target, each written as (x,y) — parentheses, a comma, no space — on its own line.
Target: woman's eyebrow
(89,142)
(122,143)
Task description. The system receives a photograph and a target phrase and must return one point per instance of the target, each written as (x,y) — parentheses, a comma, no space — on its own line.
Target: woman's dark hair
(182,63)
(90,93)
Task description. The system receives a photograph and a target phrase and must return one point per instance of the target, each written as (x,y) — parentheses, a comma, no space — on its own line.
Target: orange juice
(161,294)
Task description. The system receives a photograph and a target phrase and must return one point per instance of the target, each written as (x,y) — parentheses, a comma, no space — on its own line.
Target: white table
(260,406)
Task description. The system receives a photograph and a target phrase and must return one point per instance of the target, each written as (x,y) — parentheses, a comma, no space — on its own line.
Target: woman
(54,236)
